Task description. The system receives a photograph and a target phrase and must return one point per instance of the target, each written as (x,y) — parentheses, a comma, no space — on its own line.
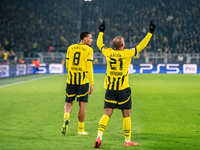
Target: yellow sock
(80,126)
(66,116)
(127,128)
(102,125)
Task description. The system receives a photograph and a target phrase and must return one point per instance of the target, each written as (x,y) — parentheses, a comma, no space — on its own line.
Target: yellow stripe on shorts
(120,103)
(72,95)
(111,101)
(82,95)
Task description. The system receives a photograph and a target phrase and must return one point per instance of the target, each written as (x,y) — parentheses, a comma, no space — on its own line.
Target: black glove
(152,27)
(102,27)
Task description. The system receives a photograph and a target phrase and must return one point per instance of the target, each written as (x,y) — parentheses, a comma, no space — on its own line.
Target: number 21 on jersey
(113,63)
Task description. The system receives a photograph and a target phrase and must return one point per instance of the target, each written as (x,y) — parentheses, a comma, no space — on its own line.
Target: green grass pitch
(165,114)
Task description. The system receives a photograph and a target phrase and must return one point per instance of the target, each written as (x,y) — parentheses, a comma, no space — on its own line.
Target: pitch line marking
(7,85)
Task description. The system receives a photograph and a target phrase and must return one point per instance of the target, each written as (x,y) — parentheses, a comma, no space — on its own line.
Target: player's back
(78,55)
(118,62)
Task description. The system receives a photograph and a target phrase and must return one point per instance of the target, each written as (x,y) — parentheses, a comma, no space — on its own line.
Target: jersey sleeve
(90,66)
(131,52)
(67,59)
(90,55)
(144,42)
(100,44)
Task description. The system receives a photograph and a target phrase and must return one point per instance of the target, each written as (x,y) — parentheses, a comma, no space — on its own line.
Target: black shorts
(79,91)
(118,99)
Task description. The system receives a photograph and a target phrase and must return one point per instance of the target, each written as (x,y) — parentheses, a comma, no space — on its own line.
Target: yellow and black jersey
(118,62)
(79,64)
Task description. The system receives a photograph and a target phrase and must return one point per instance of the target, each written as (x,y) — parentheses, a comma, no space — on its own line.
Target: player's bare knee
(126,113)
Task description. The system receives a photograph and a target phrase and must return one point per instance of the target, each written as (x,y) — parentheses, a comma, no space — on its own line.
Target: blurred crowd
(38,25)
(178,23)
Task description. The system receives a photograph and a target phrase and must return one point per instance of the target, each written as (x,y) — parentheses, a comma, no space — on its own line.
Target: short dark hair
(84,34)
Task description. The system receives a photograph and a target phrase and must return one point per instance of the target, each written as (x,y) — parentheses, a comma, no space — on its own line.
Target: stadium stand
(177,22)
(32,27)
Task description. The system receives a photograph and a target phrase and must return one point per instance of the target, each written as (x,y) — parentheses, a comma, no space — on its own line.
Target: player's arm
(146,40)
(91,77)
(90,72)
(90,67)
(100,37)
(67,59)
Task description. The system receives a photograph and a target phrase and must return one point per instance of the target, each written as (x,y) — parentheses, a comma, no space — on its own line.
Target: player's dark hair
(84,34)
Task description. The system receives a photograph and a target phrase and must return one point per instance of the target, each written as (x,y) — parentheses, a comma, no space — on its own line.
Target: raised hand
(152,27)
(102,27)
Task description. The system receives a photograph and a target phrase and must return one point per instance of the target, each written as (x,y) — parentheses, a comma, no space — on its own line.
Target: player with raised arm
(80,71)
(118,92)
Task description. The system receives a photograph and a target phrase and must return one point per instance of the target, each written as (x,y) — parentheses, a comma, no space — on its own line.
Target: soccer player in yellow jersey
(80,71)
(118,92)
